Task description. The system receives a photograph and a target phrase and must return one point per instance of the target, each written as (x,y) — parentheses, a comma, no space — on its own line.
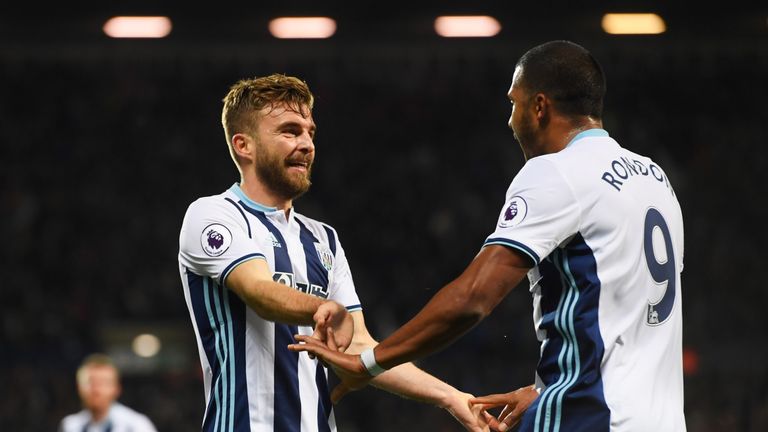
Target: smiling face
(284,149)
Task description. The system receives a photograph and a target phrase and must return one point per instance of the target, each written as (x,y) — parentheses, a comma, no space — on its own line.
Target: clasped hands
(334,327)
(333,335)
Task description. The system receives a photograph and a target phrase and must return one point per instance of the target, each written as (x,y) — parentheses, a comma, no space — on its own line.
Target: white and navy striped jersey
(604,230)
(119,419)
(252,382)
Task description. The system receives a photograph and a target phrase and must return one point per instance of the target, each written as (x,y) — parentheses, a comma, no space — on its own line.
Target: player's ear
(541,106)
(243,145)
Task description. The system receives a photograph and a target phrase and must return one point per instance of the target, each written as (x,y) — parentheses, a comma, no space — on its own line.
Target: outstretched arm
(457,307)
(410,382)
(454,310)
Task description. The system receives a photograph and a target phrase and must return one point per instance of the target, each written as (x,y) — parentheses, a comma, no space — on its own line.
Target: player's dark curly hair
(566,73)
(249,96)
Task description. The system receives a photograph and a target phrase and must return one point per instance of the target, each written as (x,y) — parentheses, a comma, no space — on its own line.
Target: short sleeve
(215,238)
(540,212)
(342,288)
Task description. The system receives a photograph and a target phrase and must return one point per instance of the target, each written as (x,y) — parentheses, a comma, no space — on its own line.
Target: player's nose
(306,143)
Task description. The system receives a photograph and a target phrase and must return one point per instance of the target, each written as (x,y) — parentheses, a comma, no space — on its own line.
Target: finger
(309,340)
(514,417)
(492,421)
(502,426)
(510,418)
(504,414)
(321,316)
(321,321)
(318,334)
(333,342)
(330,340)
(311,349)
(308,344)
(489,418)
(491,401)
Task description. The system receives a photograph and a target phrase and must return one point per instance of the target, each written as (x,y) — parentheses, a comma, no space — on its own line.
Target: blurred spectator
(98,384)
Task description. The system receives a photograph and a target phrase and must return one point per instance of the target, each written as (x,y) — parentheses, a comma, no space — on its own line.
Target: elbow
(473,306)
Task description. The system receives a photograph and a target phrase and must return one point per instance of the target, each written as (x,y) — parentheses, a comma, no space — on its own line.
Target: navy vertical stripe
(316,272)
(236,307)
(199,291)
(248,224)
(570,362)
(318,276)
(324,406)
(287,398)
(331,239)
(216,314)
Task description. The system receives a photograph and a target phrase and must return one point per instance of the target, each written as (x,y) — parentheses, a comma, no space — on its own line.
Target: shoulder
(128,415)
(545,170)
(213,203)
(74,422)
(215,209)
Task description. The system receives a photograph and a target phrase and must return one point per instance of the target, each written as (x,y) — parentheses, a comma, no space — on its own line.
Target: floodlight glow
(467,26)
(146,345)
(138,27)
(633,23)
(302,27)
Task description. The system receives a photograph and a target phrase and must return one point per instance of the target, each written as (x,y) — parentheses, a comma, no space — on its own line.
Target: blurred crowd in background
(102,152)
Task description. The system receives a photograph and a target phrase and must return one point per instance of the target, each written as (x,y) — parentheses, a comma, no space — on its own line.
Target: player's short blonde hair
(249,96)
(95,360)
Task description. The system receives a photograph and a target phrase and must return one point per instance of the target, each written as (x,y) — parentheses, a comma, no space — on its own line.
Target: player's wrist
(368,359)
(451,399)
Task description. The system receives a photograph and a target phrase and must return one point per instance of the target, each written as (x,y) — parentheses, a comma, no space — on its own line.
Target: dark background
(104,143)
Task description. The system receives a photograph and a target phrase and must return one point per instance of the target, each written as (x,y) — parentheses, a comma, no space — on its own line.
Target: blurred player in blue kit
(255,272)
(599,232)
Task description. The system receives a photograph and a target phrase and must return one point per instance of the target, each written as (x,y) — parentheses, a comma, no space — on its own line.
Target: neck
(257,191)
(99,415)
(562,131)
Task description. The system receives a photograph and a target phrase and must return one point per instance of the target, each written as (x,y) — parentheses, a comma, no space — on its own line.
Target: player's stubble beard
(525,135)
(273,171)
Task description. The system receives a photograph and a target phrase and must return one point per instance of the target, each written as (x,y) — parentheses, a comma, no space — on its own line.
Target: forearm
(447,316)
(456,308)
(277,302)
(407,380)
(410,382)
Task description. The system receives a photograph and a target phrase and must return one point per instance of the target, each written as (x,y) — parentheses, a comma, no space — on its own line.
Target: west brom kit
(252,382)
(604,230)
(119,419)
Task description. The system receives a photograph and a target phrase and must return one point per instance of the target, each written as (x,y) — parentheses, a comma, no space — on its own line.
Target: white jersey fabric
(604,230)
(252,382)
(120,419)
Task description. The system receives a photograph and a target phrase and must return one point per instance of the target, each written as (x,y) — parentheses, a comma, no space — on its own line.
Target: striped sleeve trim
(248,224)
(236,263)
(353,308)
(515,245)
